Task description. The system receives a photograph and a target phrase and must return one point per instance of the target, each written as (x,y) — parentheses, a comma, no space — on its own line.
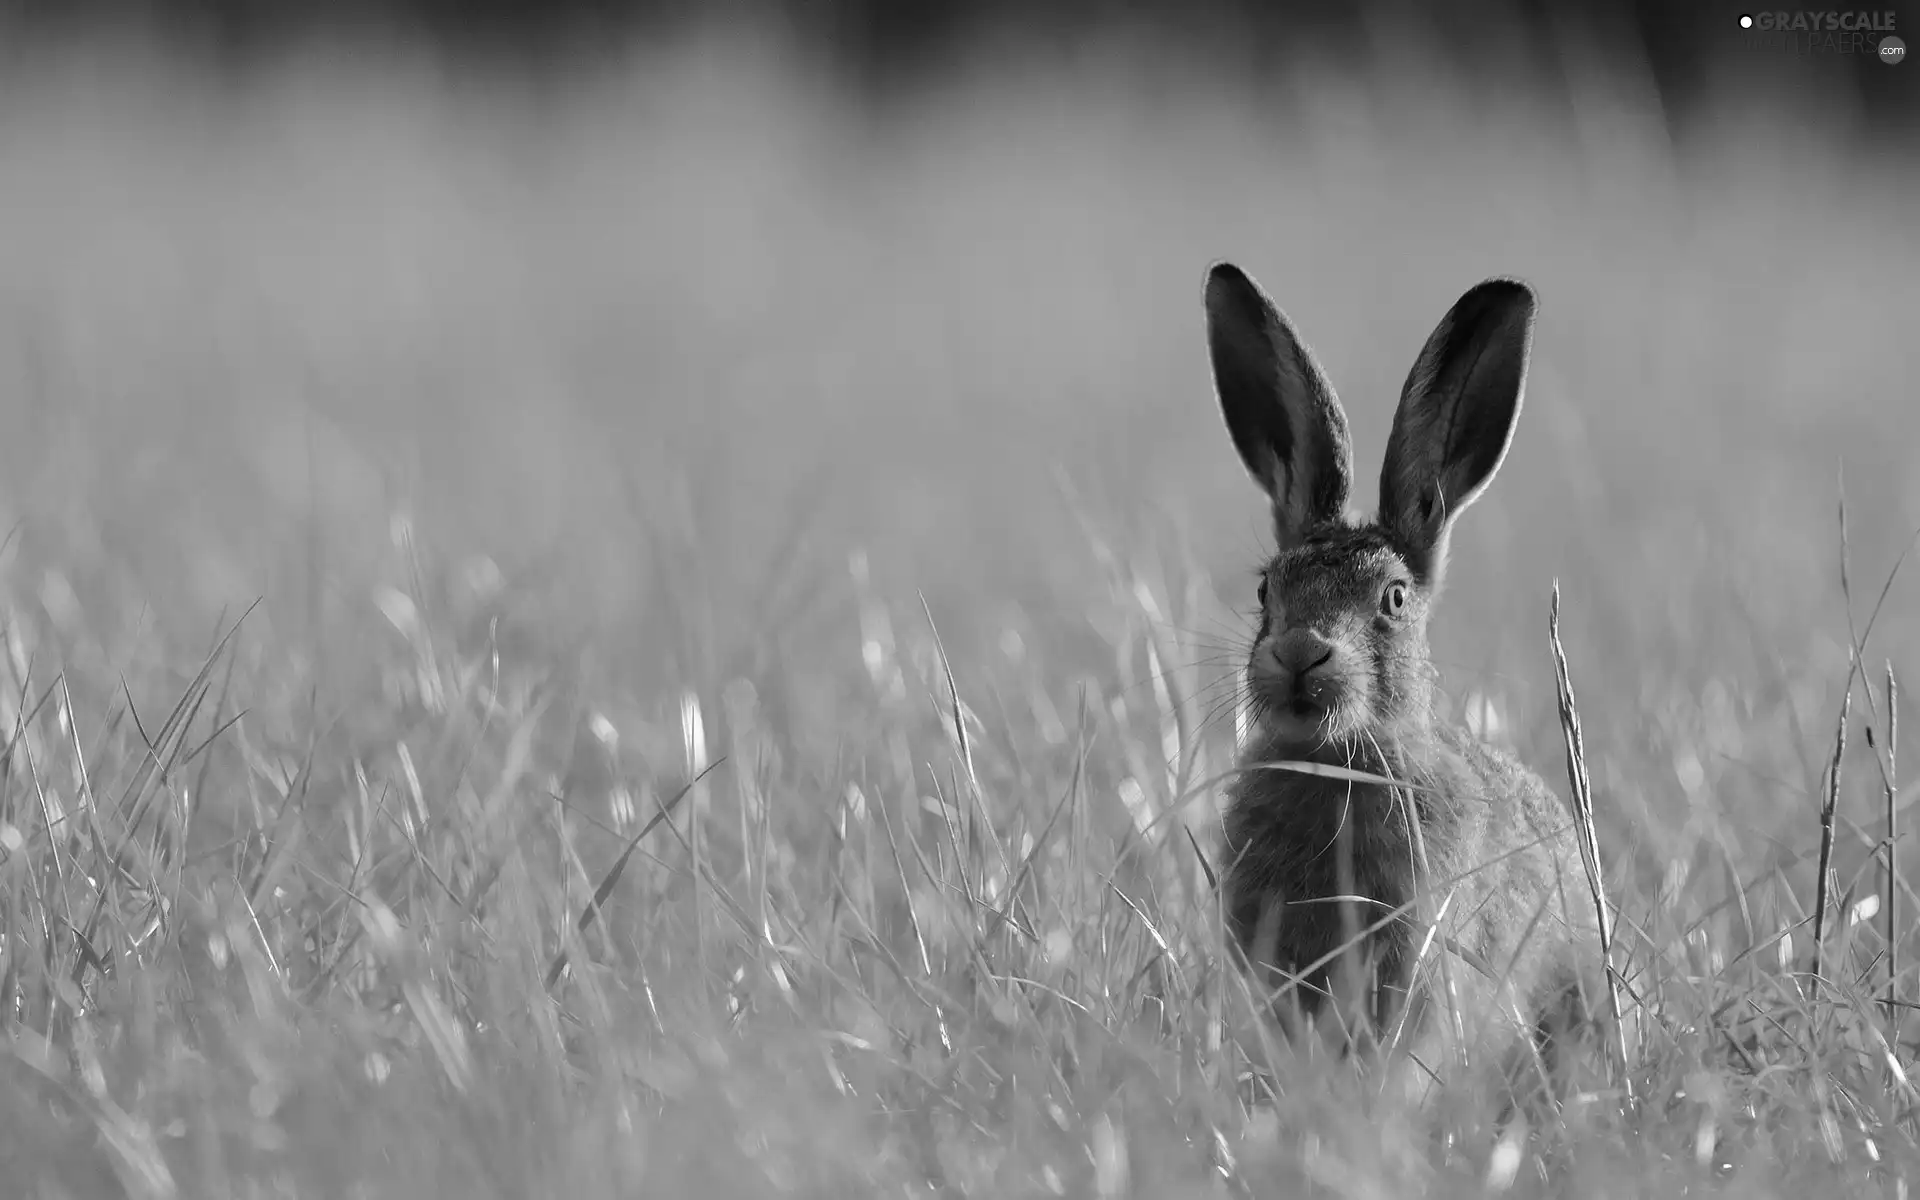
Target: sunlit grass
(868,466)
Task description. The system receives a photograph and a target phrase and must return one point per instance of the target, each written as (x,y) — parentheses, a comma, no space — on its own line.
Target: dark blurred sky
(1685,45)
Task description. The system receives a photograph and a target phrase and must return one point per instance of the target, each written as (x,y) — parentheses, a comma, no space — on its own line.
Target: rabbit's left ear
(1456,418)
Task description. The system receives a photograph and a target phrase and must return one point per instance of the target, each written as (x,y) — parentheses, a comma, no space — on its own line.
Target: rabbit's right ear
(1281,411)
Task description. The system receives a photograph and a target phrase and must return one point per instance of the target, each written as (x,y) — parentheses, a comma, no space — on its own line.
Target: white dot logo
(1746,22)
(1892,50)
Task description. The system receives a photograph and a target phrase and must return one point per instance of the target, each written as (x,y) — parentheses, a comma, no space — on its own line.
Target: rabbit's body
(1290,839)
(1471,850)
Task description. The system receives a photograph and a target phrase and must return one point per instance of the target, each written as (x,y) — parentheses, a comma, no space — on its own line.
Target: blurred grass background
(552,423)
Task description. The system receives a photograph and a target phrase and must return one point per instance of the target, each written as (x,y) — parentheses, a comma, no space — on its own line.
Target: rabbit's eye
(1393,601)
(1263,593)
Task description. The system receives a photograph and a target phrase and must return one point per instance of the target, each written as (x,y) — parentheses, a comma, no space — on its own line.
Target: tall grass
(850,483)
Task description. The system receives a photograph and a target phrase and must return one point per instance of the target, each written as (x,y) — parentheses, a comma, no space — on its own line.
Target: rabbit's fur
(1476,848)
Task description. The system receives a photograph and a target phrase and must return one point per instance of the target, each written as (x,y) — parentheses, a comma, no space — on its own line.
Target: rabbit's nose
(1299,651)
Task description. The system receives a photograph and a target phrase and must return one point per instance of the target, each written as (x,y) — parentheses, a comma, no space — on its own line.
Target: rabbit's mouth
(1312,708)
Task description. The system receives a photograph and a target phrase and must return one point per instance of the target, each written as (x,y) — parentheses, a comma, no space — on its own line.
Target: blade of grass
(612,877)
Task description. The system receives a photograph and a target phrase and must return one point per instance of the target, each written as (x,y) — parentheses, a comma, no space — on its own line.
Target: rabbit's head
(1341,652)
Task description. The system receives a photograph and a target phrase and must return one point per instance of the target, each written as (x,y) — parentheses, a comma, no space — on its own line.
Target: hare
(1344,891)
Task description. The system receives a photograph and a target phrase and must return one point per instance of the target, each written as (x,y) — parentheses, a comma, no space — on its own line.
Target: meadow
(410,487)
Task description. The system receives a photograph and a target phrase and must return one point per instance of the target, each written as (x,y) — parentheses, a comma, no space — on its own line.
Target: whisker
(1230,634)
(1224,708)
(1226,667)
